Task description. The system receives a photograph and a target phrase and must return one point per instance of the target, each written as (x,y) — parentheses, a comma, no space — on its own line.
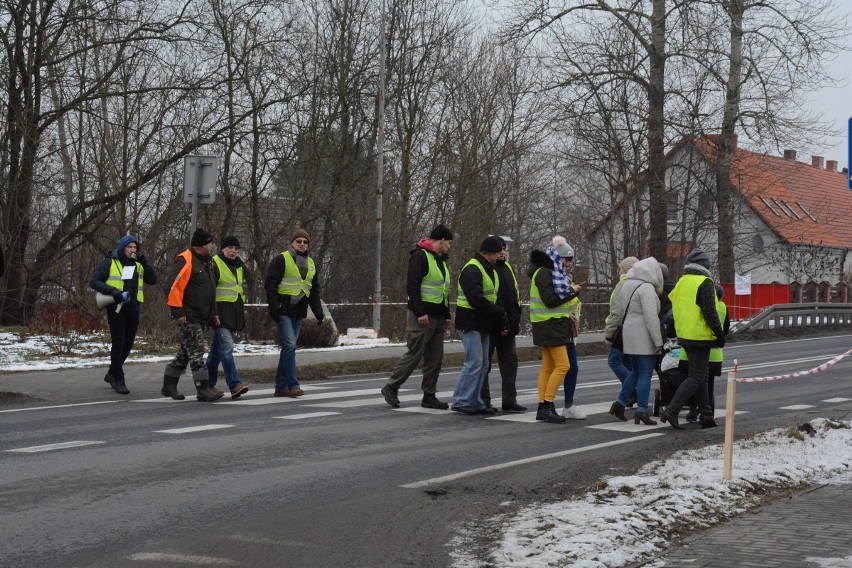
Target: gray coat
(640,294)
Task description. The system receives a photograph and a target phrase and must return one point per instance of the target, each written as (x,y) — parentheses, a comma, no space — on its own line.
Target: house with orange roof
(791,218)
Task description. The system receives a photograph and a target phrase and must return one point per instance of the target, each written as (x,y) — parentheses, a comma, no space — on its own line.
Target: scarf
(561,280)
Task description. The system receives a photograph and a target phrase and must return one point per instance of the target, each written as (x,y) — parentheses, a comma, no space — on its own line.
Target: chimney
(790,155)
(831,165)
(816,161)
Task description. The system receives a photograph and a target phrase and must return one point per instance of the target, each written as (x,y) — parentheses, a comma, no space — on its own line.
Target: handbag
(618,338)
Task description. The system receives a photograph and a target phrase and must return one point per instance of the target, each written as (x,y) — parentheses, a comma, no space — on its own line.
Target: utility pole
(380,162)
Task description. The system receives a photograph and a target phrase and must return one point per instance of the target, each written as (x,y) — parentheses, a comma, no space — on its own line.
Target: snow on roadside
(633,517)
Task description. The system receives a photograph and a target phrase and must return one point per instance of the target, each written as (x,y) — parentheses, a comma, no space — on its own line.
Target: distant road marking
(839,399)
(497,467)
(194,429)
(193,559)
(61,406)
(797,407)
(308,415)
(59,446)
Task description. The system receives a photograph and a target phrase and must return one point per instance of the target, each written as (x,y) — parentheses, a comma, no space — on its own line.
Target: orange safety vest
(175,299)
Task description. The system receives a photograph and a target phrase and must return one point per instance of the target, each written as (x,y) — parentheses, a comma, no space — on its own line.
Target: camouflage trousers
(192,347)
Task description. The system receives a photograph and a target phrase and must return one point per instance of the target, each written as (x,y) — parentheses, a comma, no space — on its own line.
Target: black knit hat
(230,241)
(441,232)
(201,237)
(491,244)
(699,257)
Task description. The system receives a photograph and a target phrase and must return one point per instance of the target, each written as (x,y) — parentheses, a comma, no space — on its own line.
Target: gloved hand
(118,297)
(140,258)
(720,341)
(125,297)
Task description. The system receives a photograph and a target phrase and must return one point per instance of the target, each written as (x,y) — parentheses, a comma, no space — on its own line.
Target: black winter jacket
(508,294)
(199,296)
(552,332)
(279,304)
(418,267)
(98,281)
(485,316)
(232,314)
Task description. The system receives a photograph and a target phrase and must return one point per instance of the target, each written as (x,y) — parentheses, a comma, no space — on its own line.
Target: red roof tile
(803,204)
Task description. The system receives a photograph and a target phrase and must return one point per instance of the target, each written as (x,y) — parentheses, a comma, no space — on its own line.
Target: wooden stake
(730,411)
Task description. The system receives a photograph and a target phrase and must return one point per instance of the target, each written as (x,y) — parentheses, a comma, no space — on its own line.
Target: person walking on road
(550,315)
(562,255)
(427,286)
(505,345)
(292,284)
(478,312)
(699,329)
(640,298)
(122,275)
(616,359)
(192,299)
(231,274)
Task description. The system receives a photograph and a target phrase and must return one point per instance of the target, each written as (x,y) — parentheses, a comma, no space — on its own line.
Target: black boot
(670,417)
(120,387)
(202,387)
(707,421)
(390,395)
(110,380)
(547,412)
(431,401)
(513,406)
(170,381)
(617,410)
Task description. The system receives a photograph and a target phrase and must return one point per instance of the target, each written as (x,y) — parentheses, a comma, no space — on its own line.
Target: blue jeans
(639,379)
(288,333)
(570,384)
(618,364)
(222,349)
(469,387)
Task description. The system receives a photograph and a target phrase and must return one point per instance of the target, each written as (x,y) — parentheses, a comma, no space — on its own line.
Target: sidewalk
(811,528)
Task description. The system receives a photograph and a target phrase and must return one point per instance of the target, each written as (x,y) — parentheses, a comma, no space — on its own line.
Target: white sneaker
(574,413)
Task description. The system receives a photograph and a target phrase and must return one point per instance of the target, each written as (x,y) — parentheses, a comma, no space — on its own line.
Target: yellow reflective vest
(689,320)
(114,278)
(292,283)
(539,312)
(489,287)
(229,287)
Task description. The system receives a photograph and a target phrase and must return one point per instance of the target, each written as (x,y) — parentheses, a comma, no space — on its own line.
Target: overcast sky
(836,106)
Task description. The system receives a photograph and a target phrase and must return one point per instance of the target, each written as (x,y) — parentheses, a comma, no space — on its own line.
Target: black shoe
(707,421)
(121,388)
(547,412)
(429,401)
(465,409)
(513,406)
(617,410)
(488,410)
(110,380)
(390,395)
(670,417)
(692,415)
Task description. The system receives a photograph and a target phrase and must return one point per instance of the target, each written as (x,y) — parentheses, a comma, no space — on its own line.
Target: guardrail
(796,315)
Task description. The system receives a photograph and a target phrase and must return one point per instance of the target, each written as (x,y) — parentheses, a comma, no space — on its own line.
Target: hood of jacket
(648,270)
(539,259)
(123,242)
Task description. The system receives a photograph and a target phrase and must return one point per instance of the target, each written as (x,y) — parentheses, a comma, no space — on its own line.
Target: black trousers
(695,383)
(507,361)
(122,332)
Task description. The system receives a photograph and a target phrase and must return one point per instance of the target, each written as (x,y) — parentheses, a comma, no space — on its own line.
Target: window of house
(808,213)
(778,204)
(706,203)
(671,206)
(770,207)
(757,244)
(791,210)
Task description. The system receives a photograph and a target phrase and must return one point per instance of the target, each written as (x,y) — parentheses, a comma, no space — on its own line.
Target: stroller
(670,375)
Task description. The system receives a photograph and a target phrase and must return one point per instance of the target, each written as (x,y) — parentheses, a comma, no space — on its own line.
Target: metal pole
(380,149)
(194,217)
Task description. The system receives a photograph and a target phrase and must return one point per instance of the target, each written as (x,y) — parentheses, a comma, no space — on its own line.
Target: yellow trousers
(554,366)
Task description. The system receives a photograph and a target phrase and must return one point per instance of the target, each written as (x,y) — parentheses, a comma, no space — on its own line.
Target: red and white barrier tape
(797,374)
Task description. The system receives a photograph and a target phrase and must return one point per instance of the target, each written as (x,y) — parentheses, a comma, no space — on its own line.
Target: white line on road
(195,429)
(194,559)
(834,400)
(59,446)
(797,407)
(61,406)
(308,415)
(496,467)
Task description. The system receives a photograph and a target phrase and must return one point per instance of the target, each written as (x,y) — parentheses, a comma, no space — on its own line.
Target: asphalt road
(338,478)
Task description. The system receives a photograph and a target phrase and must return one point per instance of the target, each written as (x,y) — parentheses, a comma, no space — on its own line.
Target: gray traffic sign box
(199,179)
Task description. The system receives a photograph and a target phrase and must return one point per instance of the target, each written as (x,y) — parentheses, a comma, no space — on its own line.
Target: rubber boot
(170,381)
(202,386)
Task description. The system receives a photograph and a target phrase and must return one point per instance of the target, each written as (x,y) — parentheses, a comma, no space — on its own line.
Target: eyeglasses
(301,241)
